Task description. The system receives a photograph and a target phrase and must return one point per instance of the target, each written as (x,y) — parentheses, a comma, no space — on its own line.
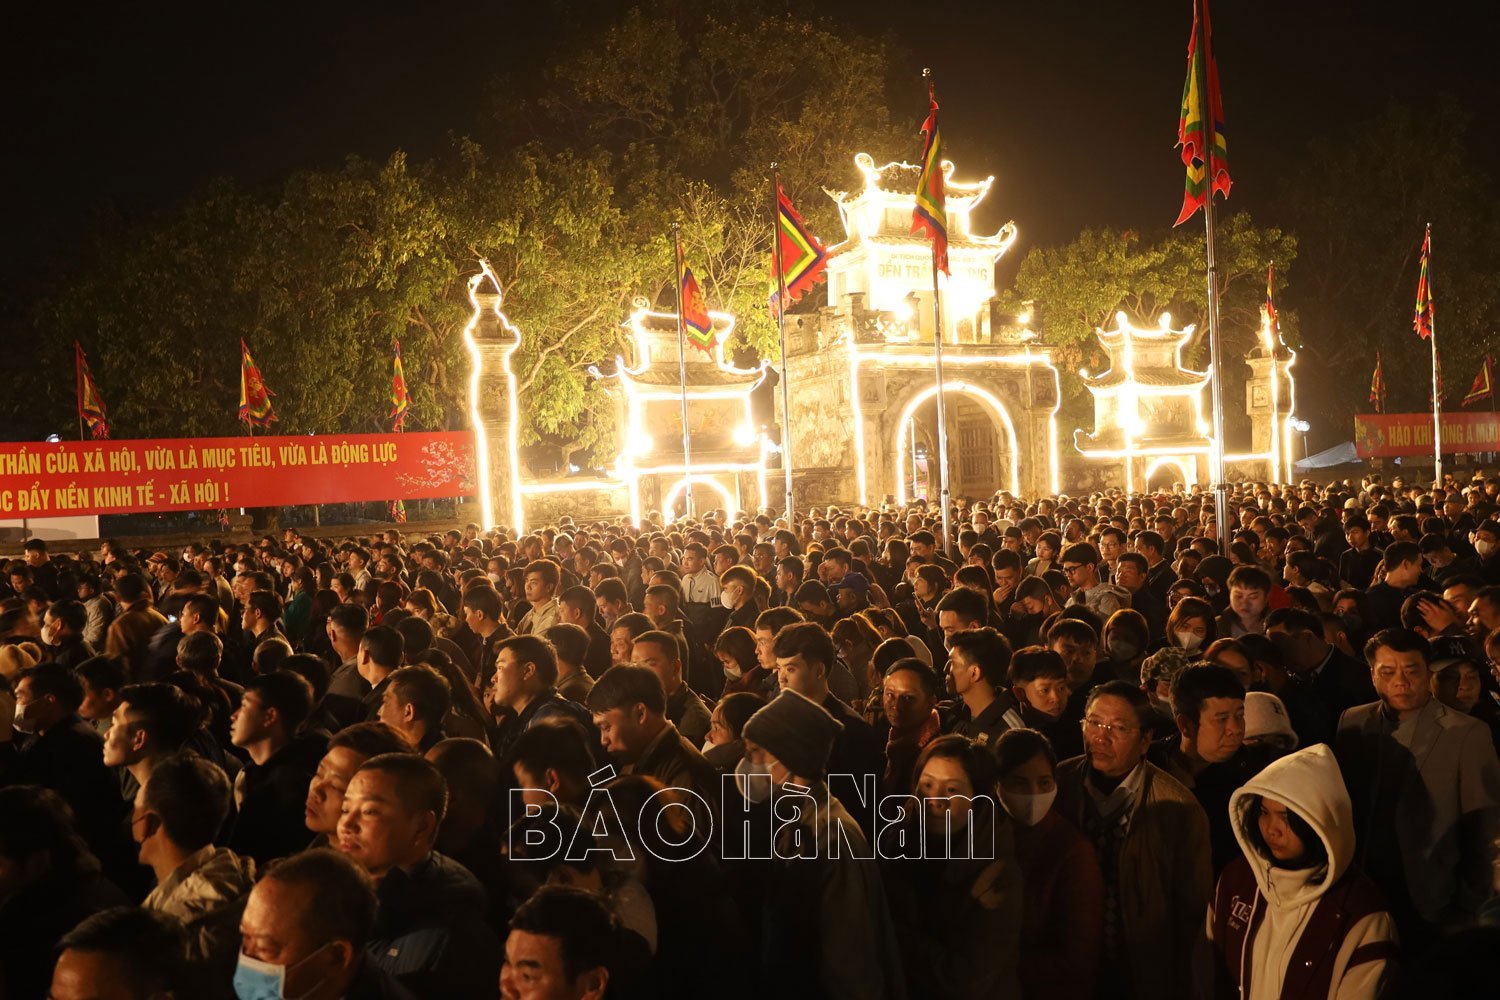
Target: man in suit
(1425,783)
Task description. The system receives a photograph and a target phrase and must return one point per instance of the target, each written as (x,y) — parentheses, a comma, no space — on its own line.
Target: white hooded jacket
(1310,785)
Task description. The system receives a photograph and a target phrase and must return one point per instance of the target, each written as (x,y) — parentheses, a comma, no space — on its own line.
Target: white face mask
(732,671)
(1189,641)
(49,634)
(495,578)
(1483,546)
(708,744)
(1027,810)
(753,791)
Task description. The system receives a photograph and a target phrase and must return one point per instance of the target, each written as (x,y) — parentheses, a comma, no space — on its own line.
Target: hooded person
(832,933)
(1291,918)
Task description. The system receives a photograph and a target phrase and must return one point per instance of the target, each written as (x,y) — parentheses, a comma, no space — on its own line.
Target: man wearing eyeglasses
(1152,840)
(1080,563)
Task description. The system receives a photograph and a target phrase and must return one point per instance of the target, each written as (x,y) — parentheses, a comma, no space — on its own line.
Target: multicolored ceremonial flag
(696,322)
(255,395)
(1422,321)
(1271,299)
(1377,386)
(90,403)
(397,511)
(804,260)
(400,398)
(931,212)
(1437,380)
(1200,124)
(1484,384)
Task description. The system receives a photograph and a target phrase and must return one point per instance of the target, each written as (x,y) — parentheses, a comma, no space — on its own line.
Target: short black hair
(191,795)
(808,639)
(342,895)
(557,743)
(1036,663)
(151,946)
(103,673)
(1194,685)
(1294,620)
(626,685)
(577,919)
(57,681)
(419,784)
(987,649)
(1127,692)
(1081,552)
(570,643)
(168,713)
(350,618)
(71,613)
(288,693)
(535,651)
(968,605)
(1400,640)
(1018,746)
(385,646)
(371,739)
(928,677)
(424,689)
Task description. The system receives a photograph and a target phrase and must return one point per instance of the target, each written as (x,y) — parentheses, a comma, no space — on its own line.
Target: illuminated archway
(676,491)
(997,408)
(1188,470)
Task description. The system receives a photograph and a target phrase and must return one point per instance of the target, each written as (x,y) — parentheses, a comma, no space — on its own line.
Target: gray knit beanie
(796,731)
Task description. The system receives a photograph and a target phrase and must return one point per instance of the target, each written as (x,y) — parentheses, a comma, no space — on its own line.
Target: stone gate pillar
(493,413)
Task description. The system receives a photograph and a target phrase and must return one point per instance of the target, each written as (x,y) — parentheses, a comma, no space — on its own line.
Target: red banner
(123,477)
(1383,435)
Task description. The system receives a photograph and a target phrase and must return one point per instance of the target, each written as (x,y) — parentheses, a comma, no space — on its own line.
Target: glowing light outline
(730,504)
(481,436)
(1189,470)
(908,412)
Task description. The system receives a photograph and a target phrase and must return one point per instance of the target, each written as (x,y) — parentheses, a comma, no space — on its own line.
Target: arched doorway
(1163,472)
(706,492)
(982,452)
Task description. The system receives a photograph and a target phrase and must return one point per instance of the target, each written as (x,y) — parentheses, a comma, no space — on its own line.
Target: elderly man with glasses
(1152,840)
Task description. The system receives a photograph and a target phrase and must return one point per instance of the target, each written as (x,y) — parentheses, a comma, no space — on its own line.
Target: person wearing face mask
(826,926)
(957,902)
(724,747)
(1486,542)
(62,633)
(1211,758)
(1062,907)
(1292,915)
(304,931)
(1125,642)
(1191,626)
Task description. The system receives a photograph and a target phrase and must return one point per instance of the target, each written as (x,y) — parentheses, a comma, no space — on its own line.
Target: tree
(1077,288)
(1360,208)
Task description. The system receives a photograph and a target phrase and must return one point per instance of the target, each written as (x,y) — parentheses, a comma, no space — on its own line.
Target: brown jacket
(1165,882)
(130,635)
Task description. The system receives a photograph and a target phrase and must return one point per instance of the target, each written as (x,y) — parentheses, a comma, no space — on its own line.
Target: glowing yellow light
(997,407)
(1189,473)
(710,482)
(481,437)
(744,435)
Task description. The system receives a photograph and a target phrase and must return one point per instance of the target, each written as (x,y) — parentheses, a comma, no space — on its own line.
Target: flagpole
(78,383)
(786,385)
(687,460)
(1215,352)
(1437,402)
(937,363)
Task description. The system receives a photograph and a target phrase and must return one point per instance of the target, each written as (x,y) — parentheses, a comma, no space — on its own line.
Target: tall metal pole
(786,385)
(942,420)
(1215,352)
(1437,401)
(687,457)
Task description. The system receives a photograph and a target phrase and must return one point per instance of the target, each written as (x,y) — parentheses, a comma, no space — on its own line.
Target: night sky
(120,110)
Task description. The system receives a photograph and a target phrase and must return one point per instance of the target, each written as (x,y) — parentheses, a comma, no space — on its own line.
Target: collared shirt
(1120,803)
(701,587)
(540,618)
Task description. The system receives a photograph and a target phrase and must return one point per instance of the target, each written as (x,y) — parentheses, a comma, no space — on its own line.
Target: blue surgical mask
(257,980)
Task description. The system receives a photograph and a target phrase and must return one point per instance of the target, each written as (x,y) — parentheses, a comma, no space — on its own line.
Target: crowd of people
(1077,749)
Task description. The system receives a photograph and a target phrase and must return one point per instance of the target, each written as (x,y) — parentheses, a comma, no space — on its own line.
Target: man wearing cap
(851,594)
(826,929)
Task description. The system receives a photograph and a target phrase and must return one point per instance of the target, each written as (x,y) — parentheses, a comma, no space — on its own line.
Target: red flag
(1484,384)
(1377,386)
(804,261)
(697,323)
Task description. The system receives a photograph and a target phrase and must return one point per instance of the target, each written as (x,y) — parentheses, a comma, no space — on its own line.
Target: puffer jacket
(207,893)
(1283,933)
